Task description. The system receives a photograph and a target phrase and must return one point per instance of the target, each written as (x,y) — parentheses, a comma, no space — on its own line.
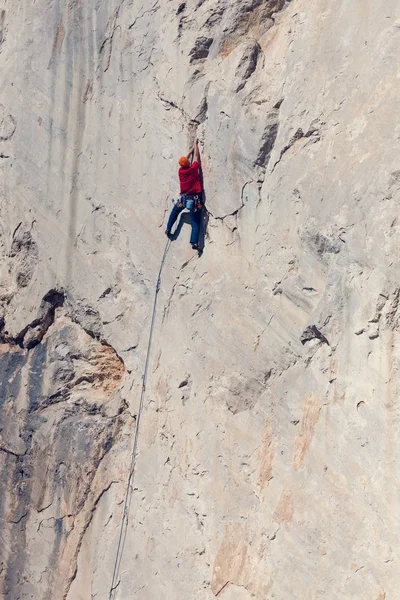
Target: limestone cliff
(268,463)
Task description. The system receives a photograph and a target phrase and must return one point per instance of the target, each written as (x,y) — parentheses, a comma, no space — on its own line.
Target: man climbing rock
(191,196)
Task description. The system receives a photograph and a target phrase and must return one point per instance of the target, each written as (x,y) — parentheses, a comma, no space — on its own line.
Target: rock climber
(191,196)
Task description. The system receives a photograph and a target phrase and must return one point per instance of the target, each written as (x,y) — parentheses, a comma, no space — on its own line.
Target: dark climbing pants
(196,221)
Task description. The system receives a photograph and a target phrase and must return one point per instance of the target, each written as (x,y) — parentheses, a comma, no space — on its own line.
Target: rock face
(268,463)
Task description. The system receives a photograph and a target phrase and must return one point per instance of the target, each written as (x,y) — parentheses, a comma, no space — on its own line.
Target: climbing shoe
(168,233)
(196,247)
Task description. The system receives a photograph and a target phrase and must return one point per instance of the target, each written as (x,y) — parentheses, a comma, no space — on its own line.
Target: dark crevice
(313,333)
(250,62)
(106,292)
(268,142)
(37,329)
(201,49)
(202,114)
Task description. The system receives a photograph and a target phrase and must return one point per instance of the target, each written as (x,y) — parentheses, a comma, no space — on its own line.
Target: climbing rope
(129,489)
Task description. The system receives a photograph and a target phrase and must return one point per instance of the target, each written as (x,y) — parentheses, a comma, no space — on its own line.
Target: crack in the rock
(146,12)
(173,104)
(67,516)
(20,519)
(223,217)
(112,27)
(226,585)
(164,213)
(237,210)
(2,26)
(16,229)
(44,507)
(191,122)
(168,303)
(10,452)
(299,135)
(83,532)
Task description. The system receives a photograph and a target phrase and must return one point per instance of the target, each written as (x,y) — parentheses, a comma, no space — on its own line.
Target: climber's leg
(196,222)
(176,209)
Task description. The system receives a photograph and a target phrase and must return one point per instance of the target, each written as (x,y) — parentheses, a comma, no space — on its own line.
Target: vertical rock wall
(268,457)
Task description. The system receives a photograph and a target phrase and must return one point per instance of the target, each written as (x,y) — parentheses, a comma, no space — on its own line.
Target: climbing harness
(128,494)
(189,201)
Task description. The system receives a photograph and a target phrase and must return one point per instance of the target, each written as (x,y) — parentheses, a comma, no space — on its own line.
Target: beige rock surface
(268,462)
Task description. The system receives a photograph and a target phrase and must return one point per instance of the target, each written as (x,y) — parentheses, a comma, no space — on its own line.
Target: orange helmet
(184,162)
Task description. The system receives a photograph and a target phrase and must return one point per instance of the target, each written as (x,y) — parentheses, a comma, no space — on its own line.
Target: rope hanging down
(129,489)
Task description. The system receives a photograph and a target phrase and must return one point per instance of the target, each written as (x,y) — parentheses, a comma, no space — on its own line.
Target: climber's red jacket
(190,179)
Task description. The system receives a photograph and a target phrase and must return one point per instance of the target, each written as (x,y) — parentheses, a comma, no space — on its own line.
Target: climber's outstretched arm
(196,151)
(189,154)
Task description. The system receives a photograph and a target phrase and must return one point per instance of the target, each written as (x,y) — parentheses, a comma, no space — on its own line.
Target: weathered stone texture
(268,463)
